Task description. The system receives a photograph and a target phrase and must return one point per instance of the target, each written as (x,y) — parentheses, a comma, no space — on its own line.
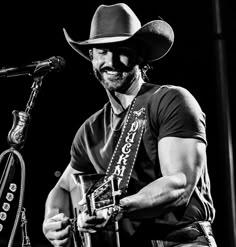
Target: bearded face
(115,68)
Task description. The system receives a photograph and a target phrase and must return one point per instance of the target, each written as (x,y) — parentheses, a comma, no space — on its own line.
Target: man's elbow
(183,195)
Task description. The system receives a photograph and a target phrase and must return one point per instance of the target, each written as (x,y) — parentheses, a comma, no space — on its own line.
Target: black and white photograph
(117,124)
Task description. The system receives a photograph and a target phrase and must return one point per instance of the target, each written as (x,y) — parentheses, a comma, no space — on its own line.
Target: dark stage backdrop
(31,32)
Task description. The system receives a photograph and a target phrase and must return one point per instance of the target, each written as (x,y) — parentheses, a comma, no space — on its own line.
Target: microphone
(55,63)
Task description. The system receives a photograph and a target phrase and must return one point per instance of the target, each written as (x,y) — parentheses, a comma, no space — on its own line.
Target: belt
(191,232)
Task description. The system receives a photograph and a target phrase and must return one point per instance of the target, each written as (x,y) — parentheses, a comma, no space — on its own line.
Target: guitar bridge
(103,194)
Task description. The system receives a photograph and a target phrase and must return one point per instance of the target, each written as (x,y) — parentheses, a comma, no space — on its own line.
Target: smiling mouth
(113,72)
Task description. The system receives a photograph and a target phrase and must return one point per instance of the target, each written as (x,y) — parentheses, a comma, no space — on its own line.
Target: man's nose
(111,59)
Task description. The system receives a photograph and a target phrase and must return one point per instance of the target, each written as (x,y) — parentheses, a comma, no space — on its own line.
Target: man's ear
(90,54)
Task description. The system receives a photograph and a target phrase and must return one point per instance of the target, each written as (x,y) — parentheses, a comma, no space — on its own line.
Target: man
(150,138)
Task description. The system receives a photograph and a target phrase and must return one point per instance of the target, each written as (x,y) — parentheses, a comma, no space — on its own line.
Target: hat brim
(157,35)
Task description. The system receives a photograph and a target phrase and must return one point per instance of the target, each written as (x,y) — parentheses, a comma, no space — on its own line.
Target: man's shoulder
(164,89)
(170,90)
(168,94)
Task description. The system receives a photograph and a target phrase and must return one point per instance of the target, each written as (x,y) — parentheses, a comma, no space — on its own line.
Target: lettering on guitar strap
(124,156)
(128,146)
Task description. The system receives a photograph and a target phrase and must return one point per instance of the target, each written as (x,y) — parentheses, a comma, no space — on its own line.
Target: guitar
(100,194)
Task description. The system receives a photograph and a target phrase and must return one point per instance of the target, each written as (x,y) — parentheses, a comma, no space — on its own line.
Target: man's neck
(120,101)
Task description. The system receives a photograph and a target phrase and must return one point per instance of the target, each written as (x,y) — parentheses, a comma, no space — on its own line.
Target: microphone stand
(16,139)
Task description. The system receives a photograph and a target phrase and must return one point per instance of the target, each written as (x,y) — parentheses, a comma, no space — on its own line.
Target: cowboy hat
(118,23)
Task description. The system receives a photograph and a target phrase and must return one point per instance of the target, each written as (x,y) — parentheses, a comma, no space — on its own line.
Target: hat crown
(114,20)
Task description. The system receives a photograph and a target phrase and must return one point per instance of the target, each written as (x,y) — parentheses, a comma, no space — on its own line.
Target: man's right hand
(58,230)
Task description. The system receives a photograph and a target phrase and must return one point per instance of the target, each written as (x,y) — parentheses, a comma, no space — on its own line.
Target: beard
(116,81)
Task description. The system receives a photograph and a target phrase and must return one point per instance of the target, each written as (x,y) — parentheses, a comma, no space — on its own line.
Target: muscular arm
(181,161)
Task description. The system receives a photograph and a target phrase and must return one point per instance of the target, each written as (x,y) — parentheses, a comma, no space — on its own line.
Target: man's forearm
(157,197)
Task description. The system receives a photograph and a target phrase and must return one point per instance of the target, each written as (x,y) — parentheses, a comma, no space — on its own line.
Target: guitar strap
(125,153)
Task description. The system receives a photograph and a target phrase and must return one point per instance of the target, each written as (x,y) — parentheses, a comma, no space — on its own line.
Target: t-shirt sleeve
(175,112)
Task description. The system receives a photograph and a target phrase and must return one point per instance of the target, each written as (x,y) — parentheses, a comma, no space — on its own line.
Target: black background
(33,31)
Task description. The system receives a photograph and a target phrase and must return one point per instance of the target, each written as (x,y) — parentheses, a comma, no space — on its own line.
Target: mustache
(121,68)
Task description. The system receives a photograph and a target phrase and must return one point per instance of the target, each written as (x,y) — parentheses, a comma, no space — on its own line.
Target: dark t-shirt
(170,111)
